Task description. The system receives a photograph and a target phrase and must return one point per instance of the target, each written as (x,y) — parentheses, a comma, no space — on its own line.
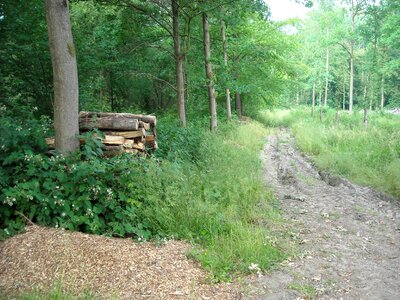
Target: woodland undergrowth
(206,188)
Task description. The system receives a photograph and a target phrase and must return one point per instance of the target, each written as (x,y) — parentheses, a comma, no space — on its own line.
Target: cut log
(110,123)
(128,134)
(128,143)
(113,140)
(144,125)
(139,146)
(144,118)
(140,139)
(150,138)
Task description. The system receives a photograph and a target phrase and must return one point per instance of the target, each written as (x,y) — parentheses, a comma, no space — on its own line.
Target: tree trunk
(372,96)
(313,99)
(382,93)
(228,92)
(326,77)
(351,81)
(320,102)
(65,76)
(209,75)
(365,91)
(180,83)
(353,15)
(344,93)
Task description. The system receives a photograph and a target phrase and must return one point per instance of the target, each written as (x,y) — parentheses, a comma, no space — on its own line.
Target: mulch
(42,258)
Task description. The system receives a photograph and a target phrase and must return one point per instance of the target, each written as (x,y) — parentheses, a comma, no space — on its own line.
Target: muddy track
(349,236)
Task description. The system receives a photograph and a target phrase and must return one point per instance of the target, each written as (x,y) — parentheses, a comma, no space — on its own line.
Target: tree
(209,74)
(225,53)
(356,8)
(180,84)
(65,76)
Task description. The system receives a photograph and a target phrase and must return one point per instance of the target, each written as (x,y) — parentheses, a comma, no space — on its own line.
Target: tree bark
(344,93)
(372,96)
(351,80)
(353,15)
(313,99)
(180,83)
(365,79)
(326,77)
(320,101)
(382,93)
(209,74)
(65,76)
(228,92)
(109,123)
(152,120)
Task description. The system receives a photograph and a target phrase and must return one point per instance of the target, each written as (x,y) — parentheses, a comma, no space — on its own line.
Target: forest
(224,80)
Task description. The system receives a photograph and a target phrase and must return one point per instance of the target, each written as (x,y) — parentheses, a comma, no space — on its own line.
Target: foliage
(366,156)
(188,190)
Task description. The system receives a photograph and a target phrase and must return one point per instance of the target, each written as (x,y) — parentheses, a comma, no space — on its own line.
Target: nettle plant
(83,191)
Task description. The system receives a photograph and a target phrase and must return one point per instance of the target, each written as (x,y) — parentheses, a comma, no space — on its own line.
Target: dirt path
(349,235)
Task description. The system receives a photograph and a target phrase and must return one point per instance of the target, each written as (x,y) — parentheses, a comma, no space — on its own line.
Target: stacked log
(123,132)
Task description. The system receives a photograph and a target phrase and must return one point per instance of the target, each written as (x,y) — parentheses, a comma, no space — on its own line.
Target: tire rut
(349,235)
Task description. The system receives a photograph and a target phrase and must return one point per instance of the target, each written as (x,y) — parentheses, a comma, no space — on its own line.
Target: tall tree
(65,76)
(356,8)
(180,84)
(225,52)
(209,74)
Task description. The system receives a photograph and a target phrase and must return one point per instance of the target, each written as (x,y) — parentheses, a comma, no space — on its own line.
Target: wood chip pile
(123,132)
(44,259)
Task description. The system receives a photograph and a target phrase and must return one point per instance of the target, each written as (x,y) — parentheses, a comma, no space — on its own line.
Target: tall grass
(214,200)
(368,156)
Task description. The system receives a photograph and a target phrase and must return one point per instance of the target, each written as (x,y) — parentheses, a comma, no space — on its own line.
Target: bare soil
(348,235)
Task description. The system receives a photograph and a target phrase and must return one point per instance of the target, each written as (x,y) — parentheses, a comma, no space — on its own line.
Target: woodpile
(123,132)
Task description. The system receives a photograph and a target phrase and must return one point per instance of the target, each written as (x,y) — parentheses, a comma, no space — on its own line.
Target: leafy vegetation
(203,187)
(366,156)
(188,192)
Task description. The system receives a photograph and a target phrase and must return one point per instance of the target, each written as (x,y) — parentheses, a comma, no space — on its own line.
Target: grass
(366,156)
(215,202)
(56,293)
(307,291)
(205,188)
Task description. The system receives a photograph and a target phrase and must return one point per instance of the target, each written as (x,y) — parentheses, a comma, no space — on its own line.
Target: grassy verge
(366,156)
(215,201)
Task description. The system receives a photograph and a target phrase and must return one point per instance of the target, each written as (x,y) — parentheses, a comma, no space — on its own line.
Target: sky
(286,9)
